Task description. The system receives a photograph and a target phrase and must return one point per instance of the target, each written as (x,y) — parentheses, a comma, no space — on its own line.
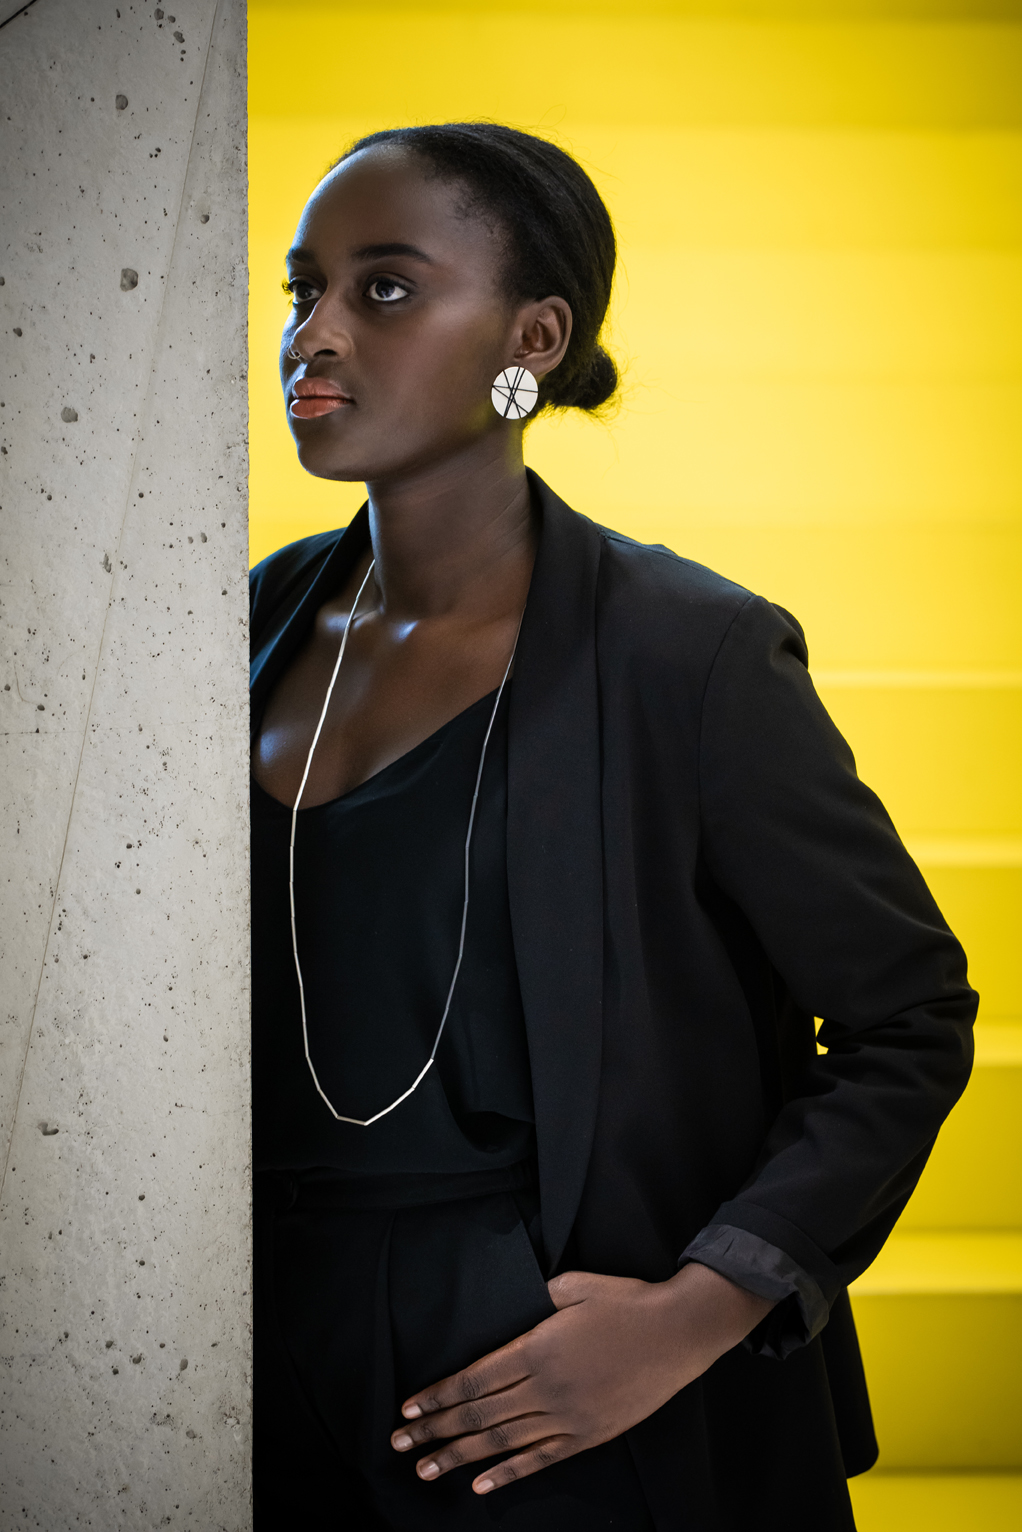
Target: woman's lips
(317,396)
(319,404)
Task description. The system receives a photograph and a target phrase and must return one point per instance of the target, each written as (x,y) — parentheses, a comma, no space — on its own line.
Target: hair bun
(587,390)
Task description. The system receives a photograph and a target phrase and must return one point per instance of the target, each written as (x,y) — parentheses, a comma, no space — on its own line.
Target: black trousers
(357,1309)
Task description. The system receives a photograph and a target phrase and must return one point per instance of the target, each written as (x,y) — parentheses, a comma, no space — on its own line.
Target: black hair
(559,240)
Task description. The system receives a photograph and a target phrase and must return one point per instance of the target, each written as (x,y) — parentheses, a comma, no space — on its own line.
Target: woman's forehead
(387,195)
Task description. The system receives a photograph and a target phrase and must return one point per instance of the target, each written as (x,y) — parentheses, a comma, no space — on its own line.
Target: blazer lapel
(289,627)
(555,853)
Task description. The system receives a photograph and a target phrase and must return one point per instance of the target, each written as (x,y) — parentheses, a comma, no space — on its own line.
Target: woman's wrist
(708,1314)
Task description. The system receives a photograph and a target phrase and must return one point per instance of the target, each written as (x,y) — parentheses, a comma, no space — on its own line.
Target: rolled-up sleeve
(800,1311)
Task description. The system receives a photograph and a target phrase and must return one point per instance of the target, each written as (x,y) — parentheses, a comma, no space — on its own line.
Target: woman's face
(400,321)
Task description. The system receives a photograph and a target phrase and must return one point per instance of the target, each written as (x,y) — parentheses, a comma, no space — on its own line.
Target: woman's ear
(543,330)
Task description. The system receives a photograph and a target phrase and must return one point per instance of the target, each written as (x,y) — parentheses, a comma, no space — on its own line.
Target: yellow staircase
(940,1312)
(819,309)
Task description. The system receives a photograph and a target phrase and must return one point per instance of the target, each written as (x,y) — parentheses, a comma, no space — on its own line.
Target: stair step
(998,1043)
(937,1502)
(972,1179)
(939,1317)
(982,904)
(938,1262)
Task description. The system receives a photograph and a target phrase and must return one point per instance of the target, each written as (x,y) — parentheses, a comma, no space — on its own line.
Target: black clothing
(391,1255)
(355,1310)
(695,871)
(379,886)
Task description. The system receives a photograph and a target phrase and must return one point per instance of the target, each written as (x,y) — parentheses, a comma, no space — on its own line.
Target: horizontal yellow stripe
(998,1043)
(966,851)
(944,1263)
(922,680)
(729,191)
(627,69)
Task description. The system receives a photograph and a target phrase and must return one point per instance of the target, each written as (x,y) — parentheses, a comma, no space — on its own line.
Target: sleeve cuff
(761,1268)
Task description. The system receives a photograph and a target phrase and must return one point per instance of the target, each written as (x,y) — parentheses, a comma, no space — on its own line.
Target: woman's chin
(340,473)
(325,459)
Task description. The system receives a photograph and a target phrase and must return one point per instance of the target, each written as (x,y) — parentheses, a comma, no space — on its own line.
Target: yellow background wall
(819,313)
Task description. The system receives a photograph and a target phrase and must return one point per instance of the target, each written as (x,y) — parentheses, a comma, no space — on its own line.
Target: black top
(379,884)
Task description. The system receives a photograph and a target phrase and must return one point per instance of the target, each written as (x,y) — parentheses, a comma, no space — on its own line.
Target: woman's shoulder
(645,570)
(659,602)
(653,583)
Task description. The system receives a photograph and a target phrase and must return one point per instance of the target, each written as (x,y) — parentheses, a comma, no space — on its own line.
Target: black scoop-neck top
(379,884)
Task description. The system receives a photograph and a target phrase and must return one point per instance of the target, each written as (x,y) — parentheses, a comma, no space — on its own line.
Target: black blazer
(696,872)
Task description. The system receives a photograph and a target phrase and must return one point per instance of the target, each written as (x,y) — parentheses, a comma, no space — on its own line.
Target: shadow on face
(401,323)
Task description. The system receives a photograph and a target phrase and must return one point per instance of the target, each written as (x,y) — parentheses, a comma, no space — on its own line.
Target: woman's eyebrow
(377,252)
(298,255)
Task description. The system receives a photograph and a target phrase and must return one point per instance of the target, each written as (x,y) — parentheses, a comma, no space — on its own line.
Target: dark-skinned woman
(556,856)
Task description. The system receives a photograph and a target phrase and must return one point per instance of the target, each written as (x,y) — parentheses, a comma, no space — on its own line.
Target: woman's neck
(456,537)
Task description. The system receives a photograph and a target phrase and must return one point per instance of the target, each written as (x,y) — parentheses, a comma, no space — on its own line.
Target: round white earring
(514,393)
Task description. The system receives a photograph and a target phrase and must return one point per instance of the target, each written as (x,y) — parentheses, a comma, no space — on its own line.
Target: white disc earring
(514,393)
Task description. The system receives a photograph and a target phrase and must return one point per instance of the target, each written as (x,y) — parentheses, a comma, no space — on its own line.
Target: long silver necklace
(366,1122)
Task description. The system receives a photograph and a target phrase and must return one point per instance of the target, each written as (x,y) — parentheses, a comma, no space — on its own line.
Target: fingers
(487,1409)
(500,1370)
(506,1436)
(463,1419)
(551,1449)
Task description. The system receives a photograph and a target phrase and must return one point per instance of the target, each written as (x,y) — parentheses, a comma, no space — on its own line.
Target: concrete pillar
(124,1134)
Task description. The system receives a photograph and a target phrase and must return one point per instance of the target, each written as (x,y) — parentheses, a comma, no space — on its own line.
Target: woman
(557,1201)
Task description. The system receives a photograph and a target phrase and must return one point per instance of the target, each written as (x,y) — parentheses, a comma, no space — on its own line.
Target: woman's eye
(386,290)
(301,291)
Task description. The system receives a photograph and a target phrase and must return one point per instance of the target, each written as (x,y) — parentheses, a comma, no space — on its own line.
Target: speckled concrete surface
(124,1239)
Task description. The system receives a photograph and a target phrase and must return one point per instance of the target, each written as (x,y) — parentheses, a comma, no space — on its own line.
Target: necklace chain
(365,1122)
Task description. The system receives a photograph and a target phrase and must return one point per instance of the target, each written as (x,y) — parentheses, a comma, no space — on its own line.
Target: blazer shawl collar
(555,853)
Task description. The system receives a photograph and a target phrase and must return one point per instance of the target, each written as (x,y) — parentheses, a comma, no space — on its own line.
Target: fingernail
(402,1441)
(428,1470)
(483,1486)
(411,1412)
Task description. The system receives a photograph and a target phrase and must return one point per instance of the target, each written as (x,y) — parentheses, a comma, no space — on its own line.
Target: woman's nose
(323,334)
